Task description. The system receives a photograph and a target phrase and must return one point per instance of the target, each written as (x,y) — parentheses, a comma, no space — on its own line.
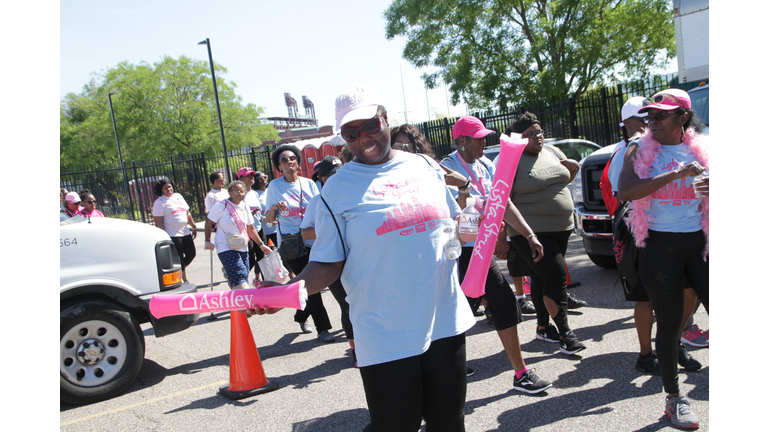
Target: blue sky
(308,48)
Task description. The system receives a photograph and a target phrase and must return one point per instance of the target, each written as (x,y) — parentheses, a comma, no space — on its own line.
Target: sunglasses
(659,98)
(659,116)
(90,202)
(535,133)
(401,146)
(369,127)
(286,159)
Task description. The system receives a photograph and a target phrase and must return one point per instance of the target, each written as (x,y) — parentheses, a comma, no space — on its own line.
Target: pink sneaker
(695,337)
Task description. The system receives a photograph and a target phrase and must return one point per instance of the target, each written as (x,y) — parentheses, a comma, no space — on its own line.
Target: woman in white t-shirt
(232,216)
(171,213)
(389,222)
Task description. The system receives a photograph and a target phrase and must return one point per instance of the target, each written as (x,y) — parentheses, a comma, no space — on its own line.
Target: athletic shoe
(695,337)
(574,303)
(548,333)
(224,272)
(679,412)
(526,306)
(649,364)
(685,360)
(305,327)
(530,383)
(325,337)
(470,371)
(570,344)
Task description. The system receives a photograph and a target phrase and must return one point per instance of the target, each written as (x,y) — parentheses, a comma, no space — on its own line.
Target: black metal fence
(127,193)
(594,116)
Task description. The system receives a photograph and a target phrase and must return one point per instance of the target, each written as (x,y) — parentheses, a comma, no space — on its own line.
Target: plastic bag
(272,268)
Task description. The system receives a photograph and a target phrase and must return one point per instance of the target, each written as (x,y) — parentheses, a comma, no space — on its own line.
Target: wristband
(529,237)
(466,185)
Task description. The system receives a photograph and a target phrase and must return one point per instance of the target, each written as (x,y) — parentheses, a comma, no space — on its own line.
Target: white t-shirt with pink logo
(395,219)
(173,210)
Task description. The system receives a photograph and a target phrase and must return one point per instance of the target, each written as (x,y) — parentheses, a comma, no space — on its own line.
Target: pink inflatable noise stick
(488,232)
(285,296)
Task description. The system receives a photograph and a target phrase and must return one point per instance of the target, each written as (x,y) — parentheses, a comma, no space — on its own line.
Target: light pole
(207,42)
(120,154)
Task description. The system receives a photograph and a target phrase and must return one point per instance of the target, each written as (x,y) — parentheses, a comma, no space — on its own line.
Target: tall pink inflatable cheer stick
(488,232)
(291,296)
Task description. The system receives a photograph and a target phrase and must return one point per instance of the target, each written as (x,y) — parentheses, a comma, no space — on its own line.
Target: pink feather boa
(638,219)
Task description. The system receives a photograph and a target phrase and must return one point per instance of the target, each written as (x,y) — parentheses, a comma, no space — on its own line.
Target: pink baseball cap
(244,171)
(357,102)
(668,100)
(72,197)
(470,126)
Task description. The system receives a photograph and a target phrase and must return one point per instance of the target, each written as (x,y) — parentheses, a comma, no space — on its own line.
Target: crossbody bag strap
(343,247)
(235,216)
(301,209)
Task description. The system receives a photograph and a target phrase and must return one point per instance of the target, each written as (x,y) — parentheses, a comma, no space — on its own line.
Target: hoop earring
(683,128)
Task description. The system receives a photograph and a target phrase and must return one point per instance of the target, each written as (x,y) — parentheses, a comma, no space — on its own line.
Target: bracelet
(207,240)
(529,237)
(466,185)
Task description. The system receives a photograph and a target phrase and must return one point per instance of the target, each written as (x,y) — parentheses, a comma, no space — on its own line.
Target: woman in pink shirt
(89,205)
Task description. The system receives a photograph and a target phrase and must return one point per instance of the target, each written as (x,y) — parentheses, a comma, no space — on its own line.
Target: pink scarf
(649,149)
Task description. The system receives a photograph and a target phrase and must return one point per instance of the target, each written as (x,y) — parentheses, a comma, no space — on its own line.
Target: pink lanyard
(478,183)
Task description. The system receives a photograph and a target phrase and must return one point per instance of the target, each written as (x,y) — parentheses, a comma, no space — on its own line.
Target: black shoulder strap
(343,247)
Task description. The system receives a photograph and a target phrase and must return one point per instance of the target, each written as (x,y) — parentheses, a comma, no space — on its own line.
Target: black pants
(254,255)
(669,263)
(548,276)
(185,247)
(432,386)
(315,306)
(337,289)
(499,296)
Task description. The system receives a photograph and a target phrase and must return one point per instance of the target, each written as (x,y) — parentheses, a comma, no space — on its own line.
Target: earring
(462,148)
(683,128)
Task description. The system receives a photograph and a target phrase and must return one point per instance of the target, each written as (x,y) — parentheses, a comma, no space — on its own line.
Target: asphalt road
(320,388)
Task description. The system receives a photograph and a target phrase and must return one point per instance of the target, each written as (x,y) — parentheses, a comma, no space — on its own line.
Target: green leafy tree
(163,109)
(495,53)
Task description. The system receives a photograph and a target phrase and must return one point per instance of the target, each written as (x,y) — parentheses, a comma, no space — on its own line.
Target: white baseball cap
(357,102)
(631,108)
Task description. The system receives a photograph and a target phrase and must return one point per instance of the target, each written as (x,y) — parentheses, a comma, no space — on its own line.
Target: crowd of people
(402,307)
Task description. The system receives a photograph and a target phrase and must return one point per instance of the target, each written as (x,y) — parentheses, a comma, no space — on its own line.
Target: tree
(163,109)
(495,53)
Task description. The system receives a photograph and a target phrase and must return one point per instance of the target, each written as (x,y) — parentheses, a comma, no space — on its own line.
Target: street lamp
(119,153)
(207,42)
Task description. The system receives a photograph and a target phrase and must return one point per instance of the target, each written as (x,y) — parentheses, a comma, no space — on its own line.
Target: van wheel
(604,261)
(102,349)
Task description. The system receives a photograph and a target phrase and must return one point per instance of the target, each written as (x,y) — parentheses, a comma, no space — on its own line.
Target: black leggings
(548,276)
(432,386)
(669,263)
(315,306)
(500,297)
(337,289)
(185,247)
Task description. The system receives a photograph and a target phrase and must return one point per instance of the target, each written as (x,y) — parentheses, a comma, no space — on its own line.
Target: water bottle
(469,221)
(452,248)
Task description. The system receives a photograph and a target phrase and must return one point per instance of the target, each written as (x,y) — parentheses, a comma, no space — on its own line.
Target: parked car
(592,221)
(109,270)
(576,149)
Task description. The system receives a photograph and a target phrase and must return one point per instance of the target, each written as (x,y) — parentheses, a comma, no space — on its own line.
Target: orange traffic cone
(246,375)
(568,282)
(270,244)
